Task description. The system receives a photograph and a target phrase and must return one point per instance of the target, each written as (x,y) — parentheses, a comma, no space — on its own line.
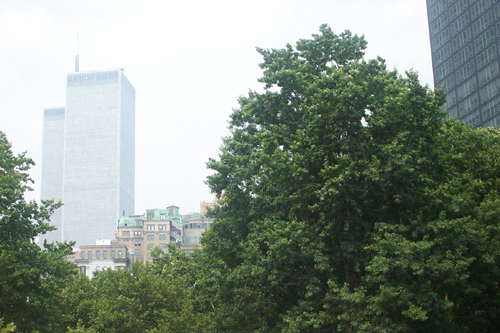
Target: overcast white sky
(188,61)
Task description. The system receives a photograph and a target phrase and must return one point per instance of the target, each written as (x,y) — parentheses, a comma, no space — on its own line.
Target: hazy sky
(188,61)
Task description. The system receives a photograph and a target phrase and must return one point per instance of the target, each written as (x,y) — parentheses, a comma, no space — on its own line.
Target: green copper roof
(170,213)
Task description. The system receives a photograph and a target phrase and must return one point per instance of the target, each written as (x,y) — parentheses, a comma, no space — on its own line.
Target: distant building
(207,205)
(88,156)
(193,227)
(465,44)
(53,166)
(158,227)
(106,254)
(142,233)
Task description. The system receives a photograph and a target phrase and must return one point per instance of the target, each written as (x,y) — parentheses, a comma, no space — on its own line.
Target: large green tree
(163,296)
(30,277)
(341,192)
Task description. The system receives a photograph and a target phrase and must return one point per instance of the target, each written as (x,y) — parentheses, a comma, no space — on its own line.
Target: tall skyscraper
(465,44)
(88,157)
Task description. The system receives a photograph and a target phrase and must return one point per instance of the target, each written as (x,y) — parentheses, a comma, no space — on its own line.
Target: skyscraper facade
(53,163)
(465,45)
(88,157)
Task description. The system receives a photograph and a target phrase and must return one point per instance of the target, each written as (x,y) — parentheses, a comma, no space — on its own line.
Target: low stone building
(106,254)
(156,227)
(193,227)
(204,206)
(137,235)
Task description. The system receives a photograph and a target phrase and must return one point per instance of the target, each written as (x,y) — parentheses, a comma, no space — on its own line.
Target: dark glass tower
(465,44)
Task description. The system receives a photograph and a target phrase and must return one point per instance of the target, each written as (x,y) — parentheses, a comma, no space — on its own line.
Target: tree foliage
(349,205)
(29,276)
(158,297)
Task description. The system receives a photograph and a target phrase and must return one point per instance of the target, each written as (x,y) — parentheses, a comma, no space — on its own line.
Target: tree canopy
(30,277)
(347,203)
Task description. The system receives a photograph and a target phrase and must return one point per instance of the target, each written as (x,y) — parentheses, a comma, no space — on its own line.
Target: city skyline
(189,62)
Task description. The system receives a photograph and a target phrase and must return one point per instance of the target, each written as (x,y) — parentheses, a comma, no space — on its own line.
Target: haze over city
(188,61)
(356,198)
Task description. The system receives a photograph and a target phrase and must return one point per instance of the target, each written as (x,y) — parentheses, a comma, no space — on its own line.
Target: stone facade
(106,254)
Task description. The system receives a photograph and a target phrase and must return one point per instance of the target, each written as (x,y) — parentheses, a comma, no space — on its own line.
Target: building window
(467,88)
(137,243)
(186,226)
(90,254)
(97,268)
(162,236)
(485,39)
(97,254)
(83,254)
(137,233)
(104,267)
(137,253)
(473,120)
(162,227)
(151,227)
(150,216)
(113,254)
(198,225)
(162,216)
(104,254)
(185,239)
(83,269)
(462,56)
(486,56)
(119,254)
(467,105)
(196,240)
(488,73)
(151,237)
(491,109)
(151,246)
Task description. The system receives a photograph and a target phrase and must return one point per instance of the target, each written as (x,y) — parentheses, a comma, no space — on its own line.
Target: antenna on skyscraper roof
(77,59)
